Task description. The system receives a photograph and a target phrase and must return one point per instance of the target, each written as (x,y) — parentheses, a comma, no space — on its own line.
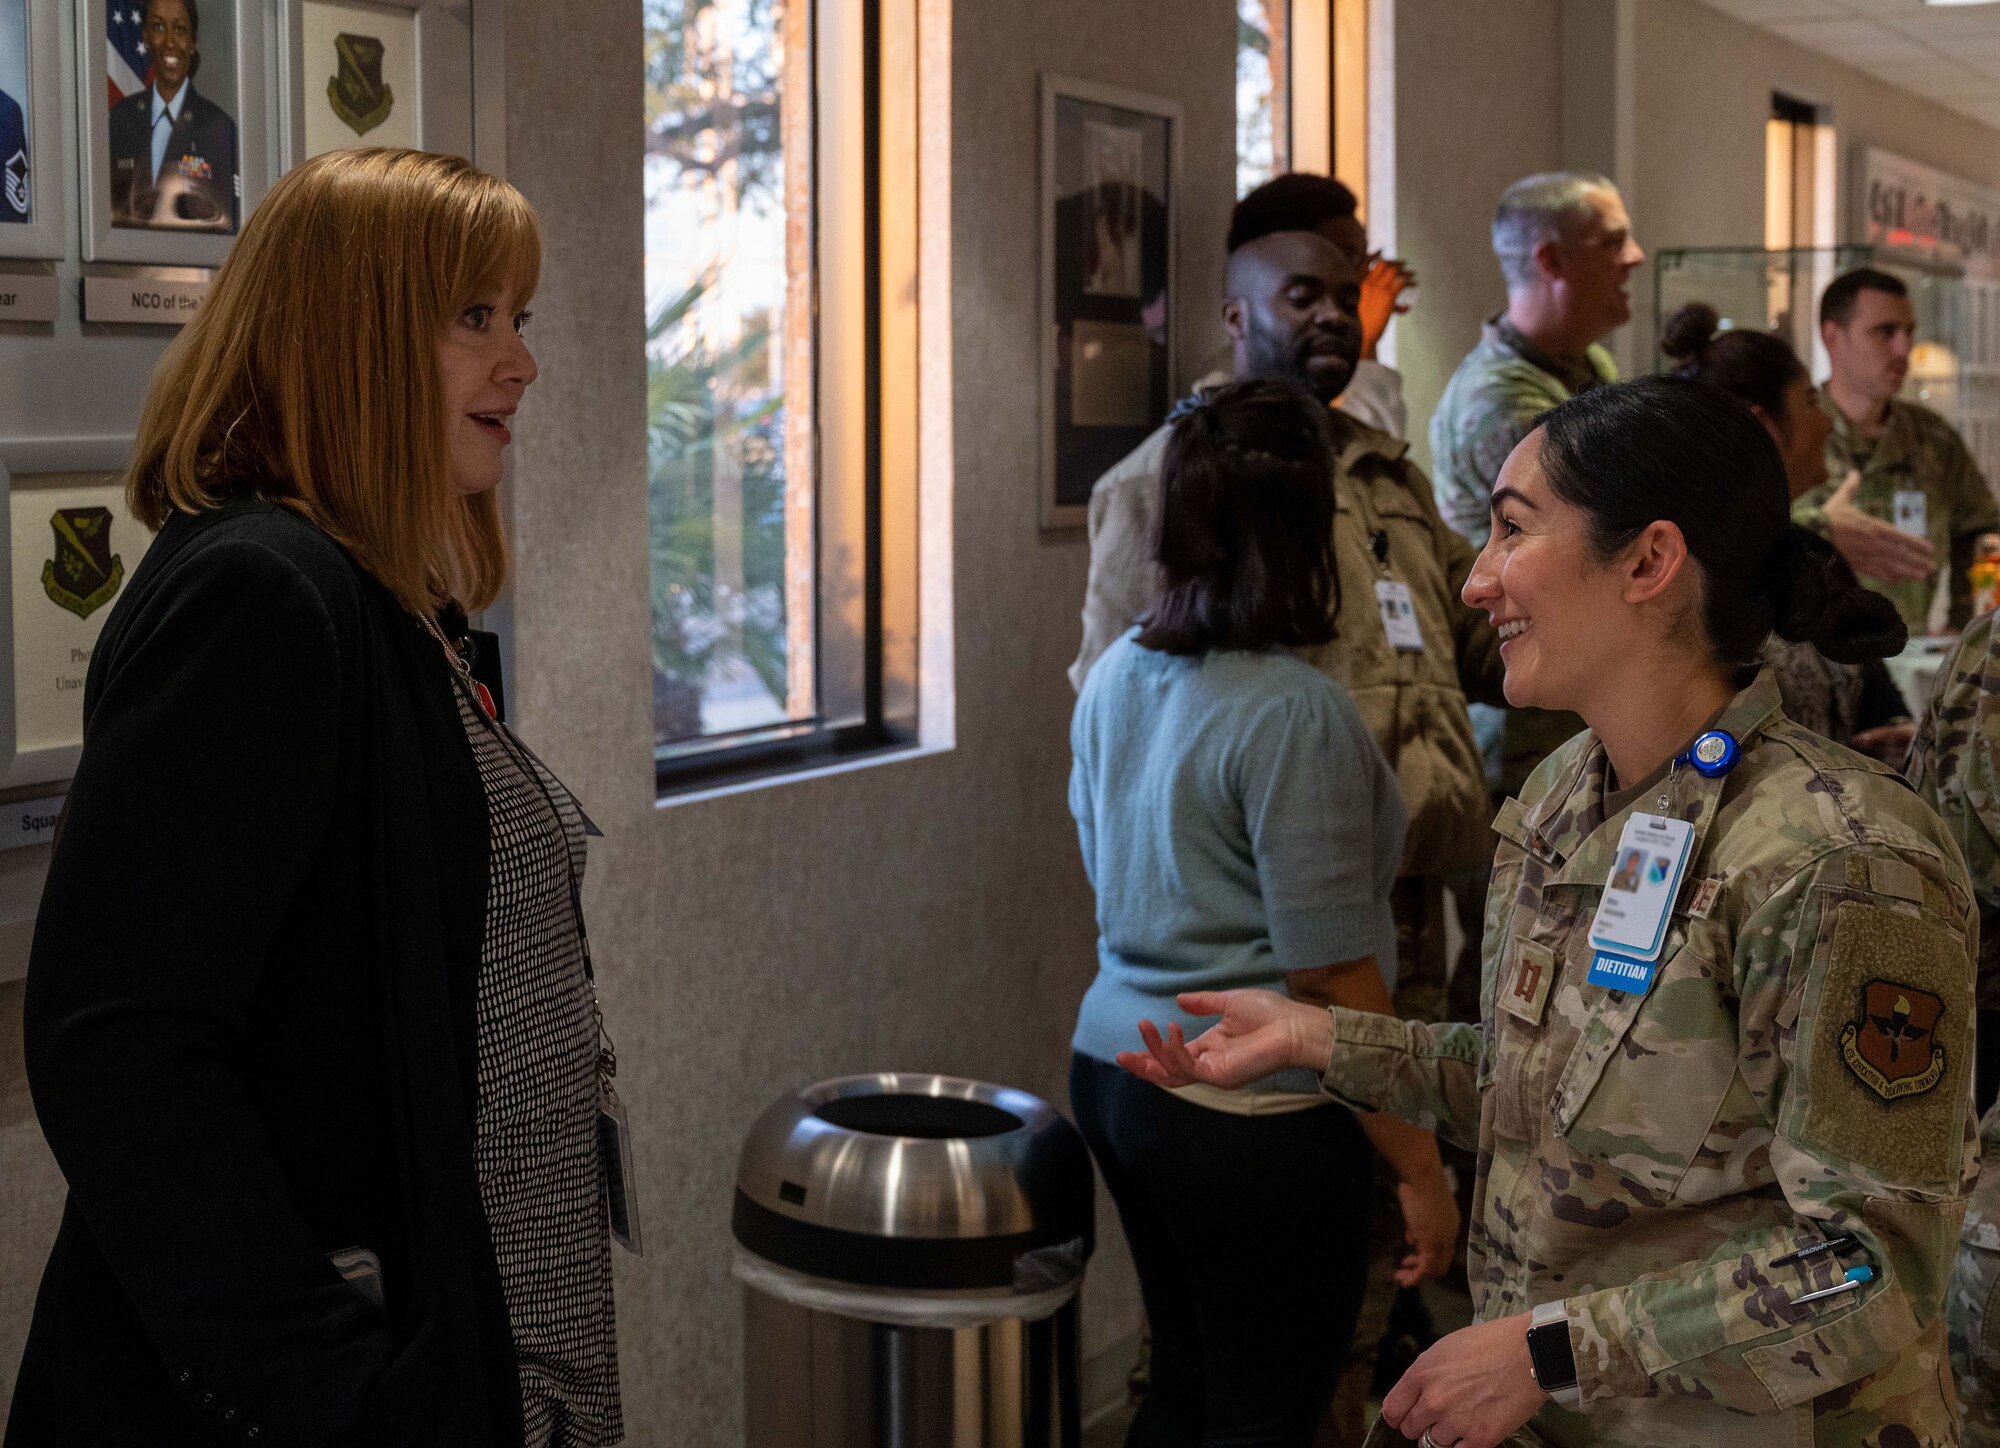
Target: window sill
(759,779)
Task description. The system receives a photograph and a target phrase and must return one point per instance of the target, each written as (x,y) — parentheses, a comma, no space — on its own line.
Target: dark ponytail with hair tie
(1816,599)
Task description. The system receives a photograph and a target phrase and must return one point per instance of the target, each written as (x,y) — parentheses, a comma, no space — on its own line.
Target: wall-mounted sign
(1914,212)
(29,296)
(150,299)
(29,822)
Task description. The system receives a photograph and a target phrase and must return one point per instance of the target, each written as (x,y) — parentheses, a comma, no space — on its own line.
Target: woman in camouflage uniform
(1669,1171)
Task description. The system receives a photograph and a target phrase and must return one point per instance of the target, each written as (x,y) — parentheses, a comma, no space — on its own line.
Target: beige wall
(1702,95)
(924,914)
(1478,104)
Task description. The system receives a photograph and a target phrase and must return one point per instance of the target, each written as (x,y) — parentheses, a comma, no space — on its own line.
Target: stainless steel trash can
(911,1247)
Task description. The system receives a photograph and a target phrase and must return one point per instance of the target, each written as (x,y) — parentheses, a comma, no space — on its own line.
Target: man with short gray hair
(1566,249)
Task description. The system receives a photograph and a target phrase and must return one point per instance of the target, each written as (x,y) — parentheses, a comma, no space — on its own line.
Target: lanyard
(524,759)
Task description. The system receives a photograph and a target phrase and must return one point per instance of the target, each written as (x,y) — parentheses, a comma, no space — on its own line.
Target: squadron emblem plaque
(356,91)
(85,574)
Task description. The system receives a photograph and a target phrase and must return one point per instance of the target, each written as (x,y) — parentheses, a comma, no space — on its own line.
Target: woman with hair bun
(1721,1090)
(1856,704)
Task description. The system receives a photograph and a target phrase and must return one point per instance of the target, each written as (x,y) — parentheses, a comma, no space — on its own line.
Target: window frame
(864,487)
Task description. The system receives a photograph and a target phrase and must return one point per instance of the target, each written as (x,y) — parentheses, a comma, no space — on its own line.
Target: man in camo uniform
(1913,468)
(1566,249)
(1955,764)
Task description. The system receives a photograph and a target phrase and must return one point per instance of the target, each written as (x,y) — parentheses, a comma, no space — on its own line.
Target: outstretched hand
(1873,548)
(1260,1033)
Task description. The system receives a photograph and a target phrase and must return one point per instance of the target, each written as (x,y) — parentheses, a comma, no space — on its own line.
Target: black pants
(1250,1234)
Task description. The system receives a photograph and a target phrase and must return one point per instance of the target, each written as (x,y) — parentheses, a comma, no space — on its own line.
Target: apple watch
(1549,1355)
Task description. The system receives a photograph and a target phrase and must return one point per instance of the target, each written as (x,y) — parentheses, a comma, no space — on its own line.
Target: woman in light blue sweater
(1240,827)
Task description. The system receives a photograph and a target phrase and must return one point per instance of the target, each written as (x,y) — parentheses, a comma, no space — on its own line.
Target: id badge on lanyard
(1630,927)
(1394,601)
(1912,512)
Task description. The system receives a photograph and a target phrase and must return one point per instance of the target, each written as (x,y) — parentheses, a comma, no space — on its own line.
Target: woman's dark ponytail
(1816,599)
(1665,448)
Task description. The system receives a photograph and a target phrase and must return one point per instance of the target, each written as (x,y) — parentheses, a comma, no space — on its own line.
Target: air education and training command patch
(1893,1049)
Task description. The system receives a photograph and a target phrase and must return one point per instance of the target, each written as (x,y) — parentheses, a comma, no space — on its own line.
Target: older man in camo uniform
(1566,249)
(1955,764)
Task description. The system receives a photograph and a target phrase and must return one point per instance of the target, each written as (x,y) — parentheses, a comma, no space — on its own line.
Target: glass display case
(1954,370)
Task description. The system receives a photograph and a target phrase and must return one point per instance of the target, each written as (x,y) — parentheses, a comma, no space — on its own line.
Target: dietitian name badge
(1630,926)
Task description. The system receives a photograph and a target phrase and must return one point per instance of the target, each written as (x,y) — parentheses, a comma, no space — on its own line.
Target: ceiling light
(1961,2)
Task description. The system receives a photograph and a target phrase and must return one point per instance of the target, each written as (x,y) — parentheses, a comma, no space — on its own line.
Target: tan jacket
(1414,704)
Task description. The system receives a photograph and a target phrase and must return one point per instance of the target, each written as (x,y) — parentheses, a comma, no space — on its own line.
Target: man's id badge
(1912,510)
(1630,926)
(1399,615)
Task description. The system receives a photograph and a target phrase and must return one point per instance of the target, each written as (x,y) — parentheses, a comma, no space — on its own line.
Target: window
(1799,217)
(781,588)
(1263,91)
(1798,176)
(1302,90)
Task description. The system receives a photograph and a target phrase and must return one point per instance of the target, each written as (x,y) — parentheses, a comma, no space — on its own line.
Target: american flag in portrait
(127,67)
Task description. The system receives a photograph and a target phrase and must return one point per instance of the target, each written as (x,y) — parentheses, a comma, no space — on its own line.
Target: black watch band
(1549,1353)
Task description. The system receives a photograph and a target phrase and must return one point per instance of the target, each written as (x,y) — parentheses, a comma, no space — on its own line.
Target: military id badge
(1912,512)
(1399,615)
(1630,926)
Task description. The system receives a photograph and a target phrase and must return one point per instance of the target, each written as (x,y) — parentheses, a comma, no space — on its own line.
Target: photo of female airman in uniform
(173,149)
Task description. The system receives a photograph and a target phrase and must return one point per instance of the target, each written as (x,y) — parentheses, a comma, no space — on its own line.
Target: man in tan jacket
(1290,313)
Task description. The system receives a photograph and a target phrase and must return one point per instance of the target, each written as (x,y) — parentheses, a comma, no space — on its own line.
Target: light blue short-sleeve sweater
(1238,822)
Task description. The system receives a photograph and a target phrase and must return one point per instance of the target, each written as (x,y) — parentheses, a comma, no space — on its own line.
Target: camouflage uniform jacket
(1413,703)
(1491,402)
(1920,451)
(1954,762)
(1644,1157)
(1489,405)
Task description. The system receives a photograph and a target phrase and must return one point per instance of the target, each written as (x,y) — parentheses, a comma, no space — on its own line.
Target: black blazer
(250,1021)
(203,139)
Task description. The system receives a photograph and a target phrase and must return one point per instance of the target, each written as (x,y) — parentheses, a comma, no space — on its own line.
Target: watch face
(1548,1351)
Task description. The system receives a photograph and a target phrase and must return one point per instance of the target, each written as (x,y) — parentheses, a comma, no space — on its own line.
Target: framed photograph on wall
(172,126)
(32,213)
(1110,173)
(374,73)
(72,547)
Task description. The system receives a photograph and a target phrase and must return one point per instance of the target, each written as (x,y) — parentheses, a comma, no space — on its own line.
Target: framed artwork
(375,73)
(172,126)
(31,159)
(356,79)
(1110,171)
(72,547)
